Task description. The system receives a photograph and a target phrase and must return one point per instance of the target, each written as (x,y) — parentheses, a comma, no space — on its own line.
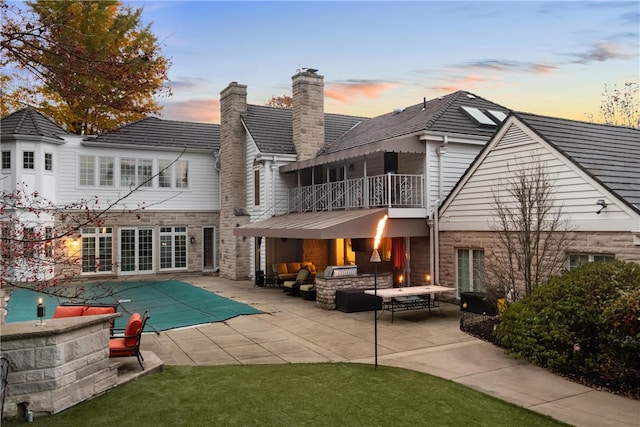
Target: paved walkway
(293,330)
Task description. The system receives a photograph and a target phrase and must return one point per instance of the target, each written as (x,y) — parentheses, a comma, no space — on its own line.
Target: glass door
(208,248)
(136,250)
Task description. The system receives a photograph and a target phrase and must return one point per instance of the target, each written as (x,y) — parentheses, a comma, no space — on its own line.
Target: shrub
(584,323)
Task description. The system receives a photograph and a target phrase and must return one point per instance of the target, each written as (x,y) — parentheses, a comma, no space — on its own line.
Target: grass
(324,394)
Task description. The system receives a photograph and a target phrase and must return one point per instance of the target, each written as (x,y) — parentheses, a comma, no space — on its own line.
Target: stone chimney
(234,250)
(308,113)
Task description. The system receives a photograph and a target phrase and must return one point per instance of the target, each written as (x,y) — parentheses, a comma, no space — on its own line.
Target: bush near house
(584,324)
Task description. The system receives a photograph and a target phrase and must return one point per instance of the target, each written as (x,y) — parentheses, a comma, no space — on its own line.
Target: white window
(48,161)
(6,160)
(164,173)
(181,174)
(96,250)
(28,160)
(87,170)
(106,171)
(576,260)
(135,172)
(470,270)
(173,174)
(173,248)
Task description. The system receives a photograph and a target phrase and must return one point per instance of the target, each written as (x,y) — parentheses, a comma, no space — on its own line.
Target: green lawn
(326,394)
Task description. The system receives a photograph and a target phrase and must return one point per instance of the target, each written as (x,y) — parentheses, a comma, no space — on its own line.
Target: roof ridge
(434,118)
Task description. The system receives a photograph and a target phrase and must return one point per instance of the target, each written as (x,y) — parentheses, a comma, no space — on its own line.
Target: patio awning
(360,223)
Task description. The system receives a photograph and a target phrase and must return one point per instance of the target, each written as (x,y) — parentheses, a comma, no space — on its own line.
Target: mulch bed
(483,328)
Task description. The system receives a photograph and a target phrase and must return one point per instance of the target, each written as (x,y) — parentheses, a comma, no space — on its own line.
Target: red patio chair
(128,345)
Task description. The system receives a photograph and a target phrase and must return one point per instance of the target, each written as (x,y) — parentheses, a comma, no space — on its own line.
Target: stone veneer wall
(56,365)
(619,244)
(235,251)
(326,287)
(308,114)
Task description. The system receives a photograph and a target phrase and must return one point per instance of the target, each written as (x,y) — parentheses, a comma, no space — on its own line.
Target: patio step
(129,368)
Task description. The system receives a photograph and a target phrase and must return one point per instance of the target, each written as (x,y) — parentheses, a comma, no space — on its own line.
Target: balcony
(390,190)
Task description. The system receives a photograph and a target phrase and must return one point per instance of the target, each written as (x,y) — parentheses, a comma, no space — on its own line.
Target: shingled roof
(272,128)
(609,154)
(29,121)
(443,114)
(155,132)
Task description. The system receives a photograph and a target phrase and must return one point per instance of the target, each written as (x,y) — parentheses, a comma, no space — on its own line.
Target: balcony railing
(390,190)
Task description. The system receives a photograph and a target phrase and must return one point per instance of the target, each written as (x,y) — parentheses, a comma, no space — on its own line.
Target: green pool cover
(171,304)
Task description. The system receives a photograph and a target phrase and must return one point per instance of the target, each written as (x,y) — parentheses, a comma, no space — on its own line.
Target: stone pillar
(234,250)
(308,113)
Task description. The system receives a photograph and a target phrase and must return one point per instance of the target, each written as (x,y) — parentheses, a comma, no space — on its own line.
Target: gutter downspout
(440,151)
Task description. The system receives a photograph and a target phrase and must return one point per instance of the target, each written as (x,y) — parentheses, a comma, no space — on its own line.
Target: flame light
(381,223)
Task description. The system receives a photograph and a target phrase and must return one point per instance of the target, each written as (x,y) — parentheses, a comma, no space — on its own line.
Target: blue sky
(550,58)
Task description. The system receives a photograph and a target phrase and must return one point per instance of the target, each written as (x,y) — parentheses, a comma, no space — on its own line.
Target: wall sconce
(192,239)
(602,205)
(40,309)
(427,278)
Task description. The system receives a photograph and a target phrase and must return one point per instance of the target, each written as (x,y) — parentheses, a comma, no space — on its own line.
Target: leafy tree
(532,235)
(283,101)
(620,107)
(97,66)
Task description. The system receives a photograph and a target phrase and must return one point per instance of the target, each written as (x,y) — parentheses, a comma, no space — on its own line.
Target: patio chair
(292,287)
(128,344)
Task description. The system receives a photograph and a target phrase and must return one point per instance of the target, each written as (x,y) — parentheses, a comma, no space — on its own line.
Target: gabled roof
(272,128)
(609,154)
(443,114)
(29,121)
(155,132)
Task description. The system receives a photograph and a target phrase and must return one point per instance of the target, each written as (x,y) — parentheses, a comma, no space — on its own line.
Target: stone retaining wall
(326,287)
(56,365)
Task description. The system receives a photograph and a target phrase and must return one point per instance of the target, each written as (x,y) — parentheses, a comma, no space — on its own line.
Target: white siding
(574,192)
(456,159)
(202,194)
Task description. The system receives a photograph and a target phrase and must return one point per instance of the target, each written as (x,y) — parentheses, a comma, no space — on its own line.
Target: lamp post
(375,259)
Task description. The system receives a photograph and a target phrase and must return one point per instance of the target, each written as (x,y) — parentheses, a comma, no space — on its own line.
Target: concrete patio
(293,330)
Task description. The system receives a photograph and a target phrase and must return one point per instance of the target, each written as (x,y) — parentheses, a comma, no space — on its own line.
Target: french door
(136,250)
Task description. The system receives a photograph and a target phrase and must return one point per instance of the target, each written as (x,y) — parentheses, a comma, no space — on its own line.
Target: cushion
(293,267)
(280,268)
(92,311)
(309,266)
(116,345)
(133,328)
(303,275)
(307,288)
(68,311)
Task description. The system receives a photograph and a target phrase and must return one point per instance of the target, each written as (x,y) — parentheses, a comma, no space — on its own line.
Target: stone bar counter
(55,365)
(326,286)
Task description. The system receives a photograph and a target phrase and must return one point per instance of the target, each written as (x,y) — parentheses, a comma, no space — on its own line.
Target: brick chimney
(234,250)
(308,113)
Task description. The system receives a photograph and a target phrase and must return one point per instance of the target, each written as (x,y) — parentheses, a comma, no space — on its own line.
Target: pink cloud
(200,110)
(348,92)
(471,82)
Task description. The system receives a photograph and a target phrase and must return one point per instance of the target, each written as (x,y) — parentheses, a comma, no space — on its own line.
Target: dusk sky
(550,58)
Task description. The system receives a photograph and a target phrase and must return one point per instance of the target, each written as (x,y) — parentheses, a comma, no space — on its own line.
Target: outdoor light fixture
(193,240)
(375,259)
(40,310)
(602,205)
(427,278)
